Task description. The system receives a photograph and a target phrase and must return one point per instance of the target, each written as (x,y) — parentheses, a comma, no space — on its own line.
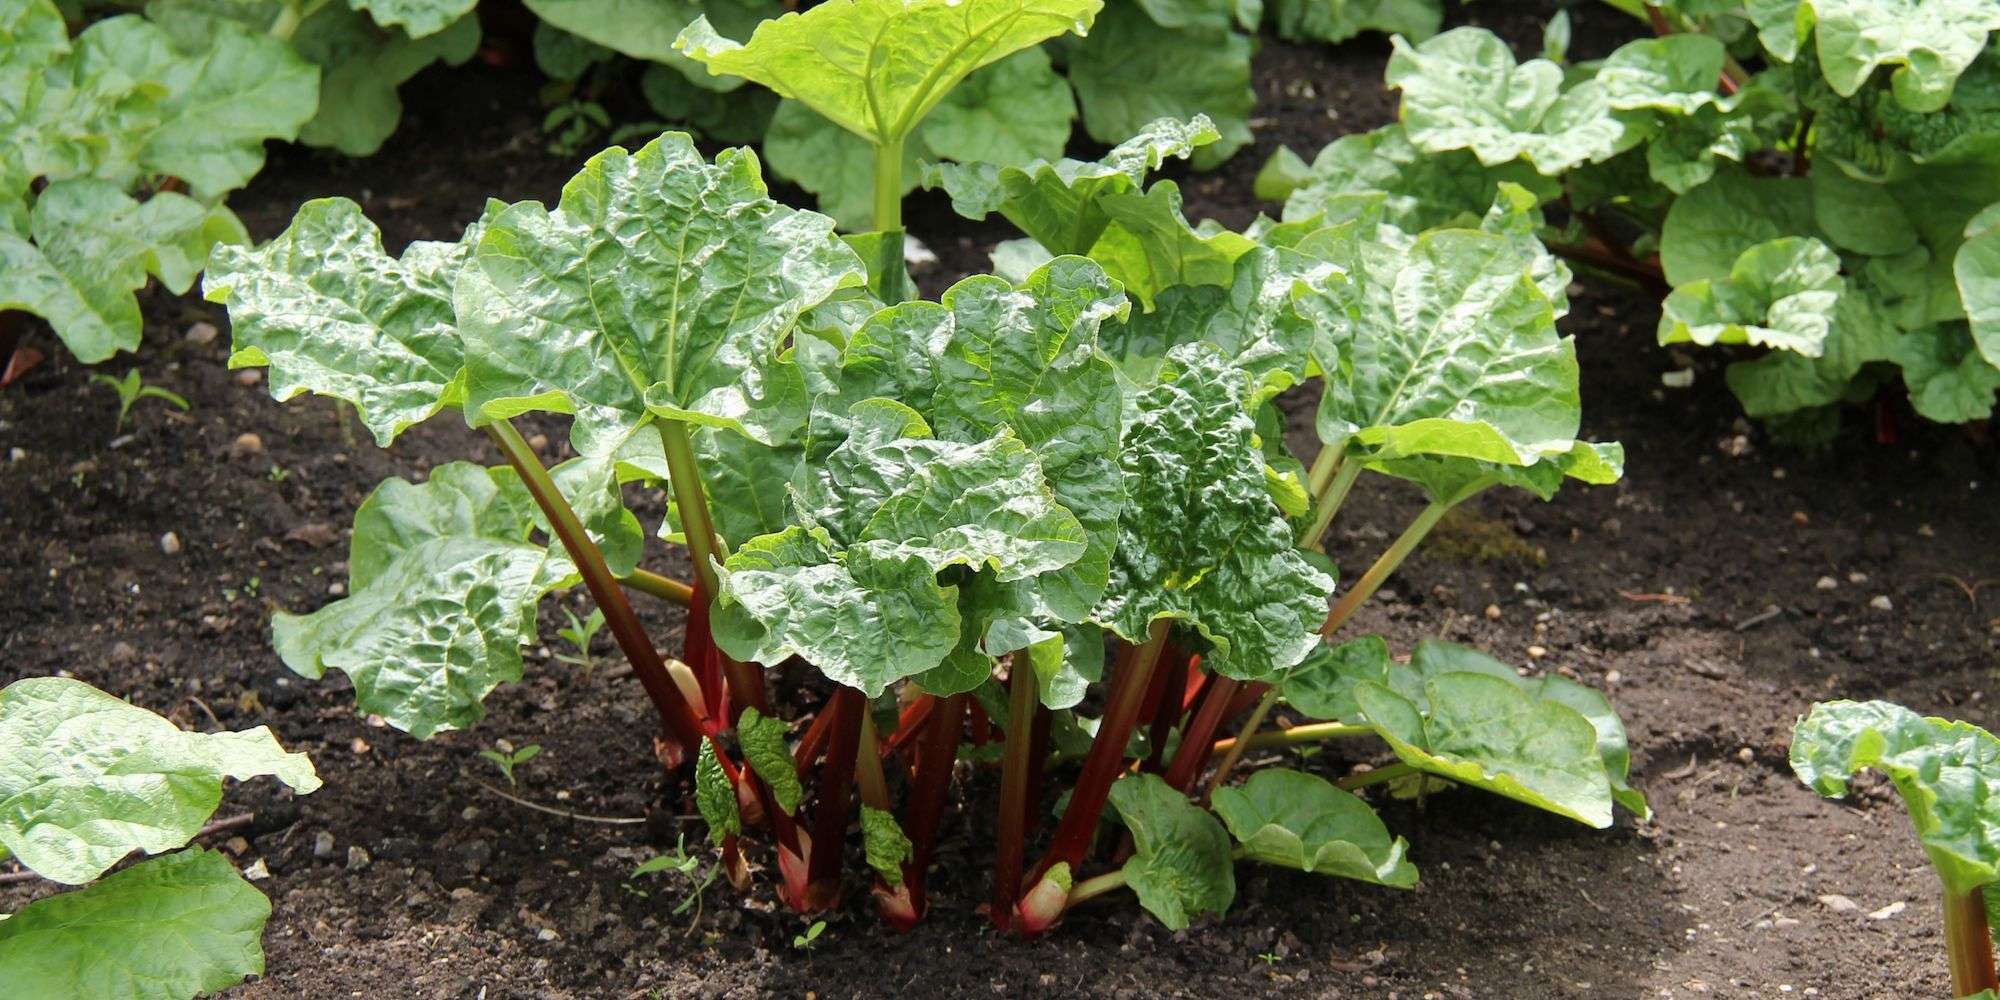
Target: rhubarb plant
(85,781)
(1808,178)
(1948,774)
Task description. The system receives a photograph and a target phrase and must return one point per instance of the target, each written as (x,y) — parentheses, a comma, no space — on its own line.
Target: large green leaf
(1948,379)
(1339,20)
(649,29)
(329,312)
(1417,190)
(1201,540)
(1129,71)
(1464,90)
(764,749)
(1977,268)
(1322,685)
(443,581)
(1453,351)
(1930,42)
(417,18)
(361,65)
(168,929)
(86,109)
(1298,820)
(1779,294)
(1452,479)
(662,285)
(222,102)
(1056,203)
(1180,866)
(86,779)
(1150,247)
(1947,772)
(93,247)
(877,67)
(1677,74)
(1782,382)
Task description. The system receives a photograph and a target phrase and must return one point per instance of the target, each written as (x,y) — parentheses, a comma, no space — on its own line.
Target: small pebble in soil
(1838,903)
(1537,652)
(170,543)
(249,377)
(246,443)
(1827,583)
(1747,755)
(1889,911)
(323,845)
(201,334)
(257,871)
(1881,602)
(357,857)
(1857,577)
(1493,612)
(538,442)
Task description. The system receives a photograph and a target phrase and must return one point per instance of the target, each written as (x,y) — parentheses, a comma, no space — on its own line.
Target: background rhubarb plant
(85,781)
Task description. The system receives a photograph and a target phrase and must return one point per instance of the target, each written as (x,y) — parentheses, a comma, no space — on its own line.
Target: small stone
(1857,577)
(258,871)
(17,454)
(357,857)
(246,443)
(1827,583)
(1493,612)
(1881,602)
(170,543)
(547,934)
(248,377)
(538,441)
(1747,755)
(201,334)
(1889,911)
(1680,379)
(1613,677)
(1838,903)
(1781,923)
(336,589)
(323,845)
(1537,652)
(358,746)
(1926,531)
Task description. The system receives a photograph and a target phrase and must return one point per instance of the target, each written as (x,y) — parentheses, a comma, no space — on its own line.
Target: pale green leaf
(1150,247)
(86,779)
(361,65)
(1712,225)
(1949,381)
(1180,866)
(1417,190)
(417,18)
(222,103)
(1015,112)
(1779,294)
(1929,42)
(1297,820)
(168,929)
(1129,72)
(1339,20)
(1977,267)
(884,845)
(1678,74)
(649,29)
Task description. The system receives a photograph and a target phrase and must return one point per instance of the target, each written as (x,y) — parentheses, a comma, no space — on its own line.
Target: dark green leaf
(1302,821)
(1180,865)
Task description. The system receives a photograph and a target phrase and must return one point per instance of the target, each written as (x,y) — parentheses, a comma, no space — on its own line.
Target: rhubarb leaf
(1180,866)
(86,779)
(1487,732)
(1782,382)
(1929,42)
(763,740)
(1323,685)
(1129,71)
(885,845)
(361,65)
(662,285)
(222,103)
(1340,20)
(417,18)
(715,797)
(1464,90)
(167,929)
(1150,247)
(1200,540)
(443,581)
(93,247)
(1948,379)
(1677,74)
(1015,111)
(1453,351)
(1779,294)
(1056,203)
(1947,772)
(877,67)
(1417,190)
(1977,268)
(328,312)
(1711,226)
(1297,820)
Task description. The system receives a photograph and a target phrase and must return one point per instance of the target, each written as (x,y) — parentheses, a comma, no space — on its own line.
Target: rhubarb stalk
(1969,942)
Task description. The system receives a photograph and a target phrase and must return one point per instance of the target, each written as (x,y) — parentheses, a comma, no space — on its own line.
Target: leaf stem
(1376,776)
(1372,580)
(1096,886)
(1296,735)
(937,754)
(1188,758)
(1241,744)
(1969,943)
(675,712)
(836,786)
(868,766)
(1016,796)
(746,682)
(1328,504)
(1323,468)
(889,218)
(664,588)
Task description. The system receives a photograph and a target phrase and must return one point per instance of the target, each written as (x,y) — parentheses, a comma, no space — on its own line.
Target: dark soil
(1715,593)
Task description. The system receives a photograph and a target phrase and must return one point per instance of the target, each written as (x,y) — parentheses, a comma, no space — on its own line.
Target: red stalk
(1101,767)
(813,742)
(1166,701)
(912,723)
(982,727)
(937,753)
(835,806)
(702,656)
(1197,684)
(1017,792)
(1193,753)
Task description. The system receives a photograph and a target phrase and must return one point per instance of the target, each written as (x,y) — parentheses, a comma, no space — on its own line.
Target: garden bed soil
(1725,585)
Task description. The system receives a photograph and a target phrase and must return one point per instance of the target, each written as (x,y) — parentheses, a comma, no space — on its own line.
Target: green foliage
(764,749)
(580,633)
(1180,866)
(1297,820)
(887,848)
(131,389)
(506,758)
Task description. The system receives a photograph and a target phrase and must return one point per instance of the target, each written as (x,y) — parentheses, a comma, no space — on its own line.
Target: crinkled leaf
(167,929)
(1977,268)
(1485,731)
(1339,20)
(650,29)
(1779,294)
(1948,774)
(763,740)
(1150,246)
(1066,661)
(1297,820)
(1949,381)
(222,103)
(1929,42)
(329,312)
(1464,90)
(1677,74)
(1201,540)
(1014,112)
(745,482)
(1056,202)
(1451,479)
(417,18)
(1323,685)
(361,65)
(1417,190)
(662,285)
(1783,382)
(877,67)
(1711,226)
(86,779)
(93,247)
(1180,866)
(1453,351)
(1130,71)
(715,797)
(443,582)
(884,844)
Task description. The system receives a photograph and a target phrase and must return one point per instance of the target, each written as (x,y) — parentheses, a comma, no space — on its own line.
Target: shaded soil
(1696,592)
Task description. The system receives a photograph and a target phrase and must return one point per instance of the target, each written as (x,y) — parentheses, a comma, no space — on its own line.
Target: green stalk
(1016,795)
(1296,736)
(1240,744)
(664,588)
(889,219)
(1372,580)
(1969,943)
(1376,776)
(691,500)
(291,16)
(1098,885)
(1322,469)
(1328,504)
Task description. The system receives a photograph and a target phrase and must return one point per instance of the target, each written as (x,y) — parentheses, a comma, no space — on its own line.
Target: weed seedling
(132,389)
(579,633)
(506,758)
(806,941)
